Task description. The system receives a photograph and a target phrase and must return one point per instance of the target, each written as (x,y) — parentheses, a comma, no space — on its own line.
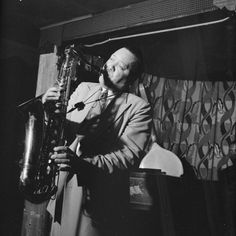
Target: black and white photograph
(118,118)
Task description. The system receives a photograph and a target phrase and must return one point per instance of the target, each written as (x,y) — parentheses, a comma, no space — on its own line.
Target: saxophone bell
(34,182)
(38,173)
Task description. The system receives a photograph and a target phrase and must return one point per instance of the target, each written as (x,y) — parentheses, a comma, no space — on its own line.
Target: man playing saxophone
(105,140)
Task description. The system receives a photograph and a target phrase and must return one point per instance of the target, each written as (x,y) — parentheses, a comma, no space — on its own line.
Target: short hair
(138,67)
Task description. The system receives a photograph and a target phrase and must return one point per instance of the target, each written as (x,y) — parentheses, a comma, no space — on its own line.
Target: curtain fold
(195,120)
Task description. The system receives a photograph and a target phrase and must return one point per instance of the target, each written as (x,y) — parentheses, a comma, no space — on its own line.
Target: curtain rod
(158,31)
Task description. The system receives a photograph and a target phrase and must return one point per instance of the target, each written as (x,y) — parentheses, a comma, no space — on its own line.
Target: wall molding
(143,13)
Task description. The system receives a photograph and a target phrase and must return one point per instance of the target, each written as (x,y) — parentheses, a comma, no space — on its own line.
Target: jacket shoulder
(88,85)
(134,99)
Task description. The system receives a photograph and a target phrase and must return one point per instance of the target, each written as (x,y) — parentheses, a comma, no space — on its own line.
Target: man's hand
(52,94)
(51,100)
(65,156)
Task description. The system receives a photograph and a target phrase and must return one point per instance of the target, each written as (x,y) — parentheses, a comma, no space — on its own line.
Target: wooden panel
(47,72)
(142,13)
(137,14)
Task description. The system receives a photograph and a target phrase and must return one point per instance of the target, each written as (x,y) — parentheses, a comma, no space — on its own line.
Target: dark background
(176,54)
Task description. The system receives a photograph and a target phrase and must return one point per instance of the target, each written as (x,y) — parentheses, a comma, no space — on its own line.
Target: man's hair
(138,66)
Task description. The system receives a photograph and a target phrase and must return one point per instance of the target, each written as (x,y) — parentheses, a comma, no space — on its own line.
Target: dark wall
(18,66)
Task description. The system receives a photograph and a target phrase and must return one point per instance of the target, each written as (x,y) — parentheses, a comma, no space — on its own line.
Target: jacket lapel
(113,113)
(92,95)
(119,106)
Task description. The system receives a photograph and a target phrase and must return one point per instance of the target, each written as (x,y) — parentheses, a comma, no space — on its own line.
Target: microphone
(79,106)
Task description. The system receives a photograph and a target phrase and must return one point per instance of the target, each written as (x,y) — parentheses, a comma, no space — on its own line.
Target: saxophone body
(38,172)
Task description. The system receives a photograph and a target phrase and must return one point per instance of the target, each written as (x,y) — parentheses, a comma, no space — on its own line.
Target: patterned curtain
(195,120)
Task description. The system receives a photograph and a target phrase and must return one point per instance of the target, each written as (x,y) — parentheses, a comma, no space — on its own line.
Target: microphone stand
(30,102)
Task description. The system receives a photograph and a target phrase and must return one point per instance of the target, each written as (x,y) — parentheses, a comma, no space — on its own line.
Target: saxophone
(38,172)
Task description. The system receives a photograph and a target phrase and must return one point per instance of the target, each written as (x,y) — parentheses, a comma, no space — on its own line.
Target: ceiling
(45,12)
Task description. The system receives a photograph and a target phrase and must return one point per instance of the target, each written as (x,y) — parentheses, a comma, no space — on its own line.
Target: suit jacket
(114,146)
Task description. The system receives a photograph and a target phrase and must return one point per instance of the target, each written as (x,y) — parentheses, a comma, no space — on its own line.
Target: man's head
(123,67)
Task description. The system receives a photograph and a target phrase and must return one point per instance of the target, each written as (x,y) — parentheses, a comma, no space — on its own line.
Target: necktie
(103,99)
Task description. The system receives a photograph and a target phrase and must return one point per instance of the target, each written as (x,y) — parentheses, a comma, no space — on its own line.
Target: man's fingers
(62,161)
(59,156)
(62,155)
(62,152)
(53,96)
(60,149)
